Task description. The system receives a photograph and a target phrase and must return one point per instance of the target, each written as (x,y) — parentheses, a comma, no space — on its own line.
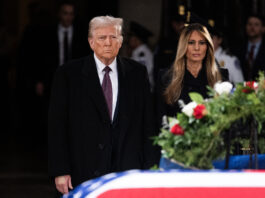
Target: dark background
(23,151)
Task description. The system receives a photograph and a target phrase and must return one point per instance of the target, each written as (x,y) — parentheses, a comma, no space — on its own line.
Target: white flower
(172,122)
(223,87)
(188,109)
(256,85)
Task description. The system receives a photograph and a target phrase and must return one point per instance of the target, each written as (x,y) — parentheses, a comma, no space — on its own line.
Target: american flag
(174,184)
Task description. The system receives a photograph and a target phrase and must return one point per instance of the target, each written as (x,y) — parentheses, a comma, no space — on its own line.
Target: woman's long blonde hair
(177,71)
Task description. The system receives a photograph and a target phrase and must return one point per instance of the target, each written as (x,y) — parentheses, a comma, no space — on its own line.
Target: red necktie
(251,54)
(107,89)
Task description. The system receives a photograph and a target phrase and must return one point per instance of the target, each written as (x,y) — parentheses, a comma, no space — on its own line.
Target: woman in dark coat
(193,70)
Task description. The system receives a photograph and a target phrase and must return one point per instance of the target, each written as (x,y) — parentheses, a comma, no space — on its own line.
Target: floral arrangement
(195,137)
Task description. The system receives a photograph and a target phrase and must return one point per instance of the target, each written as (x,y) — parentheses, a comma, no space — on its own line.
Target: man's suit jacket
(258,64)
(79,123)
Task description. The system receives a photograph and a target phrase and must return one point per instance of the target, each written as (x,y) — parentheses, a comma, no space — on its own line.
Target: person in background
(251,53)
(225,58)
(68,35)
(100,118)
(31,50)
(166,48)
(67,40)
(194,68)
(138,43)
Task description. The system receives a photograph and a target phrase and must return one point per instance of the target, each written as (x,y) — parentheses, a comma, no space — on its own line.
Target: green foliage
(155,167)
(203,141)
(196,97)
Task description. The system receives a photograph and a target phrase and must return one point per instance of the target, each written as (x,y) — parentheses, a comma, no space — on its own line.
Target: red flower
(199,111)
(177,130)
(250,86)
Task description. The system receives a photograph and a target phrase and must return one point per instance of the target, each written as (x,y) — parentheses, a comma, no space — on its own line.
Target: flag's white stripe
(184,179)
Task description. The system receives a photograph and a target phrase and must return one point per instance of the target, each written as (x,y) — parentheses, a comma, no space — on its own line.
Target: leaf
(154,167)
(178,139)
(196,97)
(191,120)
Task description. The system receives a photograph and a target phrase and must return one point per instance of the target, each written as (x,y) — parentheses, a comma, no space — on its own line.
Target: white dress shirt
(61,31)
(256,49)
(113,77)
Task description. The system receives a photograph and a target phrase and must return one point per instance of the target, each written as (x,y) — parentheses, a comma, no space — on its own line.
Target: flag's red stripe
(199,192)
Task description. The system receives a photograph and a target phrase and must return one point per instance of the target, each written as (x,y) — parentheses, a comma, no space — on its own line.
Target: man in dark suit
(101,113)
(251,54)
(66,40)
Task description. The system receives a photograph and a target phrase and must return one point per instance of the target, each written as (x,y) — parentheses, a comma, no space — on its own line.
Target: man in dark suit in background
(67,40)
(101,115)
(252,53)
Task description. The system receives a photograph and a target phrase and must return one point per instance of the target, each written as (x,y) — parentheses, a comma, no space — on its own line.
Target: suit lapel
(91,81)
(121,89)
(259,56)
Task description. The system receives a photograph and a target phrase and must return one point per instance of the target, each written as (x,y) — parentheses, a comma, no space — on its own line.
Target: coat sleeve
(160,105)
(151,152)
(58,151)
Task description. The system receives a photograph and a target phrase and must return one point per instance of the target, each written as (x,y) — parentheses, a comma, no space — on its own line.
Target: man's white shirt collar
(101,66)
(63,29)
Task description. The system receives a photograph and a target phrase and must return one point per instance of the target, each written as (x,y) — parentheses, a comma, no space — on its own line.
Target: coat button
(101,146)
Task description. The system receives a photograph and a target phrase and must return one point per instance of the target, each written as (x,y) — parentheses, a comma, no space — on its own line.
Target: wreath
(195,137)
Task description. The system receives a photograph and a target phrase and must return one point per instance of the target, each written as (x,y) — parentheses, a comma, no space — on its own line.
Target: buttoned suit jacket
(79,123)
